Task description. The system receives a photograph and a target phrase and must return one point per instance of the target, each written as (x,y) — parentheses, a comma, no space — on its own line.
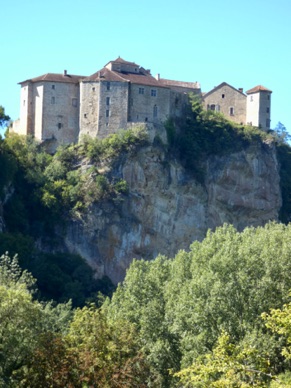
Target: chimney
(65,73)
(157,76)
(241,90)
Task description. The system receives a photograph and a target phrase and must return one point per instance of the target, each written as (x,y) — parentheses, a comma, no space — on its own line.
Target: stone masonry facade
(60,108)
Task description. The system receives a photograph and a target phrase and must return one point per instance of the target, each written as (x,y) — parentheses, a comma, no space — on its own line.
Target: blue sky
(242,43)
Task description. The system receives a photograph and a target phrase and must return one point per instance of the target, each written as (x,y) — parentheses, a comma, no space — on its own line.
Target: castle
(60,108)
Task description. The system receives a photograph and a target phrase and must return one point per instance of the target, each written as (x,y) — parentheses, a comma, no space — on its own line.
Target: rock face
(167,209)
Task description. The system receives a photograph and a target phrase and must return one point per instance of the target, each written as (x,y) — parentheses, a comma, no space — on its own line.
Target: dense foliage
(223,284)
(216,316)
(51,346)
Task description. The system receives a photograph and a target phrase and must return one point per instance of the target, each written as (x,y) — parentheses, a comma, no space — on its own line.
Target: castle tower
(259,107)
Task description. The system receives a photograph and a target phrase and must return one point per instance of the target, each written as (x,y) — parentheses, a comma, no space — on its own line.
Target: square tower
(259,107)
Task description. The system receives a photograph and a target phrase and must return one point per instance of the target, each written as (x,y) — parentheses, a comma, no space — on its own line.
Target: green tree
(282,135)
(107,351)
(224,283)
(4,119)
(22,320)
(228,366)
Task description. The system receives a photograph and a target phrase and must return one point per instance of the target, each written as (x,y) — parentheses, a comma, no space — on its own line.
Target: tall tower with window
(259,107)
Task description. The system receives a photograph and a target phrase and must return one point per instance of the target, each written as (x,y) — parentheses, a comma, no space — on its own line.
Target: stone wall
(229,101)
(113,107)
(264,110)
(148,103)
(89,108)
(60,112)
(38,110)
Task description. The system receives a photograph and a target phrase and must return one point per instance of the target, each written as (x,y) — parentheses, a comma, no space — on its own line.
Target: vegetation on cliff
(204,133)
(39,191)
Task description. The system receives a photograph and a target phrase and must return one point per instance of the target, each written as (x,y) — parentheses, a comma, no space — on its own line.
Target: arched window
(155,111)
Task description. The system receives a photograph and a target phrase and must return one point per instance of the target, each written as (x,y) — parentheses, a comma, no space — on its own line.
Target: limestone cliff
(167,209)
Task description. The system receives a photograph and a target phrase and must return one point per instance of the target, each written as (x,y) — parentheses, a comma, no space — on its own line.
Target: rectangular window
(108,85)
(231,111)
(93,89)
(107,100)
(251,98)
(53,86)
(53,100)
(59,125)
(268,110)
(74,102)
(153,93)
(85,115)
(141,90)
(268,121)
(107,112)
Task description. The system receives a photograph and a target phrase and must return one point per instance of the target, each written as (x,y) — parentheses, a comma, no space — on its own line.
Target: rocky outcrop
(167,209)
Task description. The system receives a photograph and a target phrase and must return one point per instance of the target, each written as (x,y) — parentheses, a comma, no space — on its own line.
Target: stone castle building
(60,108)
(252,108)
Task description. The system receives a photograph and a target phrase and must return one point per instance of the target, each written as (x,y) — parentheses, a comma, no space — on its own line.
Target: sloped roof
(106,75)
(190,85)
(141,78)
(220,86)
(52,77)
(121,60)
(258,88)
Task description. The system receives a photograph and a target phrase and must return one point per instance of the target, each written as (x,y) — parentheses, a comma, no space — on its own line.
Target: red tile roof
(51,77)
(258,88)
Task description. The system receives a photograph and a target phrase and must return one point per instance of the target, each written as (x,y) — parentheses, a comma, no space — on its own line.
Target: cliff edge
(167,208)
